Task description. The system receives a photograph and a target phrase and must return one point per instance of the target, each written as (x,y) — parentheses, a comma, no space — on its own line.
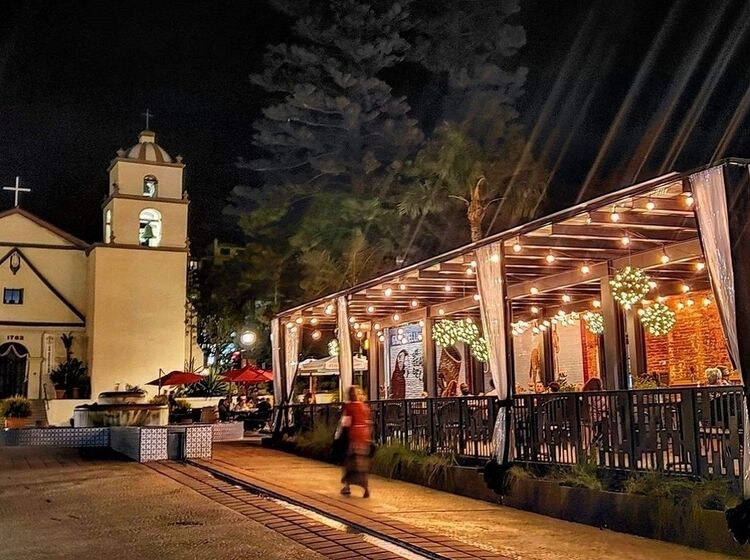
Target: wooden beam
(659,235)
(633,219)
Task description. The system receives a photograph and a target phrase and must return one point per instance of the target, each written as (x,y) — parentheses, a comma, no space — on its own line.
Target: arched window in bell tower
(150,186)
(149,231)
(108,226)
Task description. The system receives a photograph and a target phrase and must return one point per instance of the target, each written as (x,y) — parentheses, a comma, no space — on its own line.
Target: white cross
(148,116)
(17,189)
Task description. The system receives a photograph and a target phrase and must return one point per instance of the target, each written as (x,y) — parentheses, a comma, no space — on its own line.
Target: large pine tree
(335,139)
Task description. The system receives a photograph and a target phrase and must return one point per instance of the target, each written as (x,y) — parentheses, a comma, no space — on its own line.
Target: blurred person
(356,421)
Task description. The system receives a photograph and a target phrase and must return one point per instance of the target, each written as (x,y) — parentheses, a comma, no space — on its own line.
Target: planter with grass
(15,411)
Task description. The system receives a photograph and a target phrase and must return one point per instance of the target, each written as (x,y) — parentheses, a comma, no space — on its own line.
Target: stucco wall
(126,220)
(129,177)
(136,321)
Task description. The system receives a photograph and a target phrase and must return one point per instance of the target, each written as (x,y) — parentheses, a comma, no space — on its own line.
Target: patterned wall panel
(57,437)
(198,440)
(153,444)
(228,431)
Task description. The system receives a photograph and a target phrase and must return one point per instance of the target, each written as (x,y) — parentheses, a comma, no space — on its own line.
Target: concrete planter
(12,422)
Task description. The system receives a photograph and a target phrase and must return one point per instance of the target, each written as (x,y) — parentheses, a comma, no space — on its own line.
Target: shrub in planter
(15,410)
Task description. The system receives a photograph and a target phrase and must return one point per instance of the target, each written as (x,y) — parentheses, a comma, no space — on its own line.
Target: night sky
(626,88)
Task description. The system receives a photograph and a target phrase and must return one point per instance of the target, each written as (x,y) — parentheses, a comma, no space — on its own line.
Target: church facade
(123,300)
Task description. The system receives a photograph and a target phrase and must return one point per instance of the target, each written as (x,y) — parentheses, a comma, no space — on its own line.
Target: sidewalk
(498,529)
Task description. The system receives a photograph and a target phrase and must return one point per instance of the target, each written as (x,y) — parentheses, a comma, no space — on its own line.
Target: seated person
(224,409)
(264,407)
(242,405)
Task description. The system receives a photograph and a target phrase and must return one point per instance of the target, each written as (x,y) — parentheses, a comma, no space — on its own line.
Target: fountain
(120,408)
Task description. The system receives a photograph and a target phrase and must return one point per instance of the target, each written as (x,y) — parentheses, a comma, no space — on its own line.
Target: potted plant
(15,410)
(59,380)
(68,376)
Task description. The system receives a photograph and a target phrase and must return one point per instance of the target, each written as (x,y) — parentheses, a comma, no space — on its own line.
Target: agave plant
(211,386)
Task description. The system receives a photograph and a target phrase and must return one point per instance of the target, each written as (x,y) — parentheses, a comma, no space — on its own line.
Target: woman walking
(356,420)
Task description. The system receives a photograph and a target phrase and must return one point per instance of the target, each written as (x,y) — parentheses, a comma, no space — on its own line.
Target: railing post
(578,427)
(407,443)
(461,430)
(431,425)
(630,428)
(688,418)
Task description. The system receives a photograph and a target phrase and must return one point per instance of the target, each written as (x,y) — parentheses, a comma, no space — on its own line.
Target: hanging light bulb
(650,205)
(370,308)
(614,216)
(356,326)
(400,331)
(566,298)
(441,311)
(414,303)
(596,303)
(534,290)
(316,335)
(550,258)
(517,247)
(329,309)
(706,302)
(376,326)
(421,323)
(289,325)
(535,330)
(546,323)
(477,297)
(473,264)
(689,200)
(469,271)
(448,288)
(534,309)
(680,306)
(381,338)
(542,328)
(700,266)
(585,269)
(396,317)
(352,319)
(690,303)
(588,218)
(664,256)
(402,287)
(314,321)
(685,288)
(388,292)
(625,240)
(299,320)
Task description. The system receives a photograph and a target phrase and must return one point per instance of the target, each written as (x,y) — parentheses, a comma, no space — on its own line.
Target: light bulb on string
(534,290)
(517,247)
(388,292)
(316,335)
(699,266)
(650,205)
(314,321)
(664,257)
(370,308)
(550,258)
(396,317)
(402,287)
(585,269)
(625,240)
(534,310)
(414,303)
(614,216)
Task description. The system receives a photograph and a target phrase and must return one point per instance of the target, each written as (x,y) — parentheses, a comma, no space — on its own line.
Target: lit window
(150,186)
(149,232)
(13,296)
(108,226)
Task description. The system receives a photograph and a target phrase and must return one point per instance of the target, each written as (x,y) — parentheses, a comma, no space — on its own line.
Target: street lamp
(248,338)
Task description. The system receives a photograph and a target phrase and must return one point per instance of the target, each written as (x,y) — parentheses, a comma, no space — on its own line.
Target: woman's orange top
(360,428)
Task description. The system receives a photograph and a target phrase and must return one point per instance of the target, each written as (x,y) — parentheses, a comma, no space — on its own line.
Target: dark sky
(604,76)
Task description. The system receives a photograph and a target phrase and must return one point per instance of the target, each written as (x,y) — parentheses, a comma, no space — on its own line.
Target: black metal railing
(695,432)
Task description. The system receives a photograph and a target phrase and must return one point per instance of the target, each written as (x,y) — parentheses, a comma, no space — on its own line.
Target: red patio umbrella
(249,374)
(176,378)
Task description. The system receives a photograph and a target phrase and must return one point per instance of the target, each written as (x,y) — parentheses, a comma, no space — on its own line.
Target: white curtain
(291,357)
(345,346)
(713,223)
(492,306)
(276,364)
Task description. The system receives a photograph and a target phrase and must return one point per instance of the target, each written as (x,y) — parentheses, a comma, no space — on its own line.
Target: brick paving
(317,536)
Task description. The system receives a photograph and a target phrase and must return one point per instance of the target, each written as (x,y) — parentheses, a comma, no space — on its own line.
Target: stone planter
(14,422)
(59,393)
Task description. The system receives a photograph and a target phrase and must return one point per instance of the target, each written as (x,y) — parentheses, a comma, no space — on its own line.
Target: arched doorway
(13,362)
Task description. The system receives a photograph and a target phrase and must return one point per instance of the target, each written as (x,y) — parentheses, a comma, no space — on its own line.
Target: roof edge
(46,225)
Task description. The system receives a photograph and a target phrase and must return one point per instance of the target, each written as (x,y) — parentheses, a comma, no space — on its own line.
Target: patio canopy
(176,378)
(329,365)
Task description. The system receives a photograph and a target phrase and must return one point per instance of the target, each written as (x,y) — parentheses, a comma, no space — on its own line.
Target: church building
(122,300)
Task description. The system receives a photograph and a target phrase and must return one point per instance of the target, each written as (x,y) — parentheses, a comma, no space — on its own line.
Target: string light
(360,334)
(299,320)
(289,325)
(414,303)
(685,288)
(381,338)
(477,297)
(376,326)
(689,200)
(699,266)
(441,311)
(517,247)
(566,298)
(625,240)
(614,216)
(534,309)
(328,310)
(314,321)
(690,303)
(650,205)
(352,319)
(356,326)
(370,308)
(400,331)
(550,258)
(396,317)
(421,323)
(316,335)
(664,256)
(473,264)
(469,271)
(534,290)
(448,288)
(706,302)
(588,218)
(658,319)
(294,330)
(402,287)
(596,303)
(388,292)
(585,269)
(680,306)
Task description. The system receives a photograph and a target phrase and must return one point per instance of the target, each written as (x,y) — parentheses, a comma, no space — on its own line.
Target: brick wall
(590,353)
(695,343)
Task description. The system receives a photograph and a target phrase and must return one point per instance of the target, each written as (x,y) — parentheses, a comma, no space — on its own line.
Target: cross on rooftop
(16,190)
(148,116)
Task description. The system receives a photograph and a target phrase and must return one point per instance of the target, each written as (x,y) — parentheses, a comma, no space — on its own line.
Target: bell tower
(138,274)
